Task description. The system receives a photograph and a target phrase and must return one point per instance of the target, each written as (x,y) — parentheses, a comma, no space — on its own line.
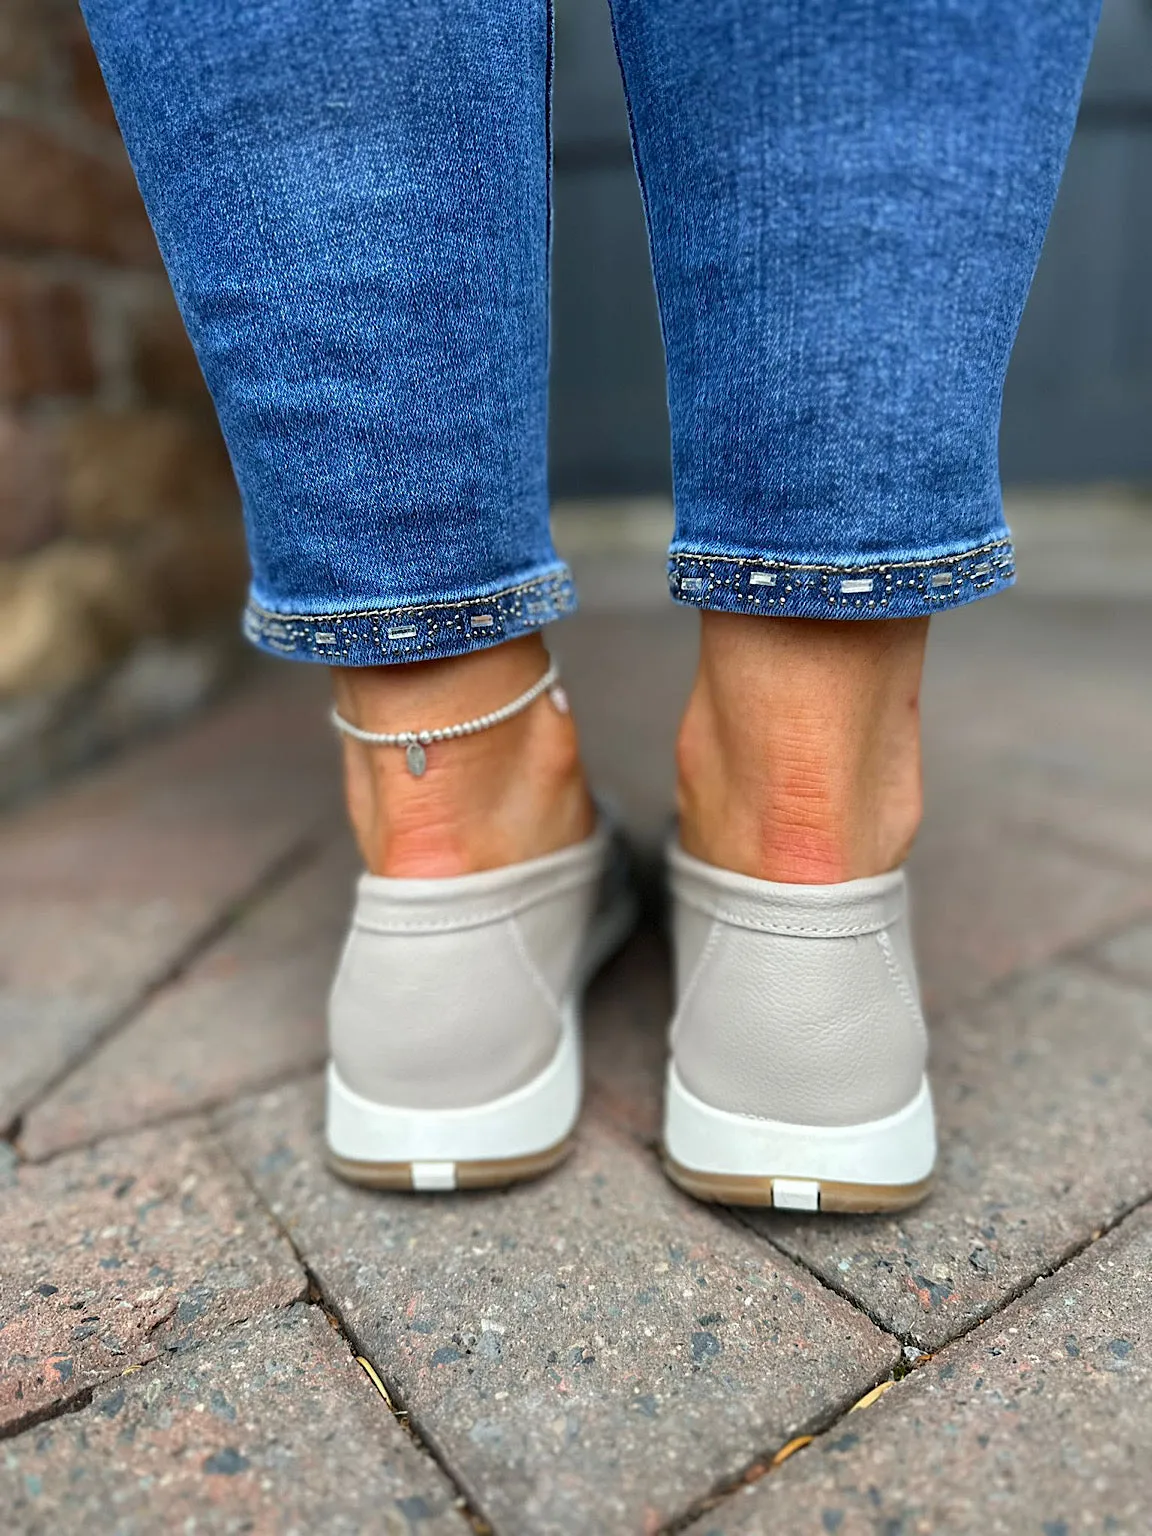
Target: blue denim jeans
(845,199)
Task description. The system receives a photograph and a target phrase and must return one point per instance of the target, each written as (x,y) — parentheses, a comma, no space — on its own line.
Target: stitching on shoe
(693,982)
(787,929)
(538,981)
(801,930)
(467,919)
(901,982)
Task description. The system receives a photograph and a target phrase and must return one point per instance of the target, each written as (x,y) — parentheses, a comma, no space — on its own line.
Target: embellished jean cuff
(886,590)
(374,637)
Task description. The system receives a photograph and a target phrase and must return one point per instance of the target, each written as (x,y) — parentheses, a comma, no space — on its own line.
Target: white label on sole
(796,1194)
(433,1175)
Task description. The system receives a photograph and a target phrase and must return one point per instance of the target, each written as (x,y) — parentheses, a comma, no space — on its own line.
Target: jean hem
(882,589)
(376,637)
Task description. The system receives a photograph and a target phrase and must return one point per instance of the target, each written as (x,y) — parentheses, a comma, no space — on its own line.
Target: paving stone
(1020,673)
(1127,954)
(108,884)
(589,1353)
(1038,832)
(1046,1136)
(248,1012)
(989,900)
(1112,823)
(1037,714)
(629,677)
(1089,792)
(271,1429)
(114,1255)
(626,1015)
(1039,1422)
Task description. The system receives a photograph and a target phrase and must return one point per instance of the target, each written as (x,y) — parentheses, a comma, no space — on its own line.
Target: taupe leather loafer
(798,1044)
(454,1018)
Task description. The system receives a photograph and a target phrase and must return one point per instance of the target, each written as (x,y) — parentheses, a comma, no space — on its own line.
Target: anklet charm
(416,743)
(417,759)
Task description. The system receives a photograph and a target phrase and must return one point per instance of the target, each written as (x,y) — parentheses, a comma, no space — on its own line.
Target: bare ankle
(799,751)
(502,796)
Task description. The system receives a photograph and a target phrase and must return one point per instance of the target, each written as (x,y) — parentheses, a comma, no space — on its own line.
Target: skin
(515,792)
(799,751)
(798,756)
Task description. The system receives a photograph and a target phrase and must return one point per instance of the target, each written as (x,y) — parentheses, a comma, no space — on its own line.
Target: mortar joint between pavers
(317,1296)
(51,1411)
(388,1393)
(906,1368)
(764,1465)
(275,874)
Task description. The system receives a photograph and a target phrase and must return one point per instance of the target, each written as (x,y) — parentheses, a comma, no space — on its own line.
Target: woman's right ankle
(795,820)
(799,751)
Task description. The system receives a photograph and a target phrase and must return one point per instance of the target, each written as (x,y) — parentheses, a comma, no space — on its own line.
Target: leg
(845,205)
(799,752)
(509,794)
(352,200)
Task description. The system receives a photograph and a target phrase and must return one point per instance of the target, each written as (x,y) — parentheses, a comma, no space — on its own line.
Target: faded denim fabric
(846,202)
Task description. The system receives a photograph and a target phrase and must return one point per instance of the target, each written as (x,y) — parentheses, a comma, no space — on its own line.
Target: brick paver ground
(1040,1420)
(184,1291)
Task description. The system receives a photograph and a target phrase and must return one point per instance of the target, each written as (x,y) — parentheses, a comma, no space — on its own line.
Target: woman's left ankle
(514,792)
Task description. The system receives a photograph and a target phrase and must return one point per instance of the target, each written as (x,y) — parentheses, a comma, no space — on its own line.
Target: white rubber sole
(518,1136)
(740,1160)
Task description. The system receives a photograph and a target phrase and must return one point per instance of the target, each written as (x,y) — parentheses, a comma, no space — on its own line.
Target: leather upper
(797,1003)
(449,993)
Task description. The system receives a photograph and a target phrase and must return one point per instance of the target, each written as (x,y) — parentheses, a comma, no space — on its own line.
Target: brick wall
(118,513)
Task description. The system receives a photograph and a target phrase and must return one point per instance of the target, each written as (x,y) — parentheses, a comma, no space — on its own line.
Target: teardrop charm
(417,759)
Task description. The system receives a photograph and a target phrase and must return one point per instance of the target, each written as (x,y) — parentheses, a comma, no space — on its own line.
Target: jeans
(845,199)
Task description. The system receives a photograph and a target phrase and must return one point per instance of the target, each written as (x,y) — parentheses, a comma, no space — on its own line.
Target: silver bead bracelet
(415,743)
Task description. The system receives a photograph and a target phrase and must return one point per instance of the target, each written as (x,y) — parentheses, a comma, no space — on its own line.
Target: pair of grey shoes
(796,1073)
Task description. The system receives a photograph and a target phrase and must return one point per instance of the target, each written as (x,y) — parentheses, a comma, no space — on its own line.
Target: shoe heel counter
(440,1019)
(820,1030)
